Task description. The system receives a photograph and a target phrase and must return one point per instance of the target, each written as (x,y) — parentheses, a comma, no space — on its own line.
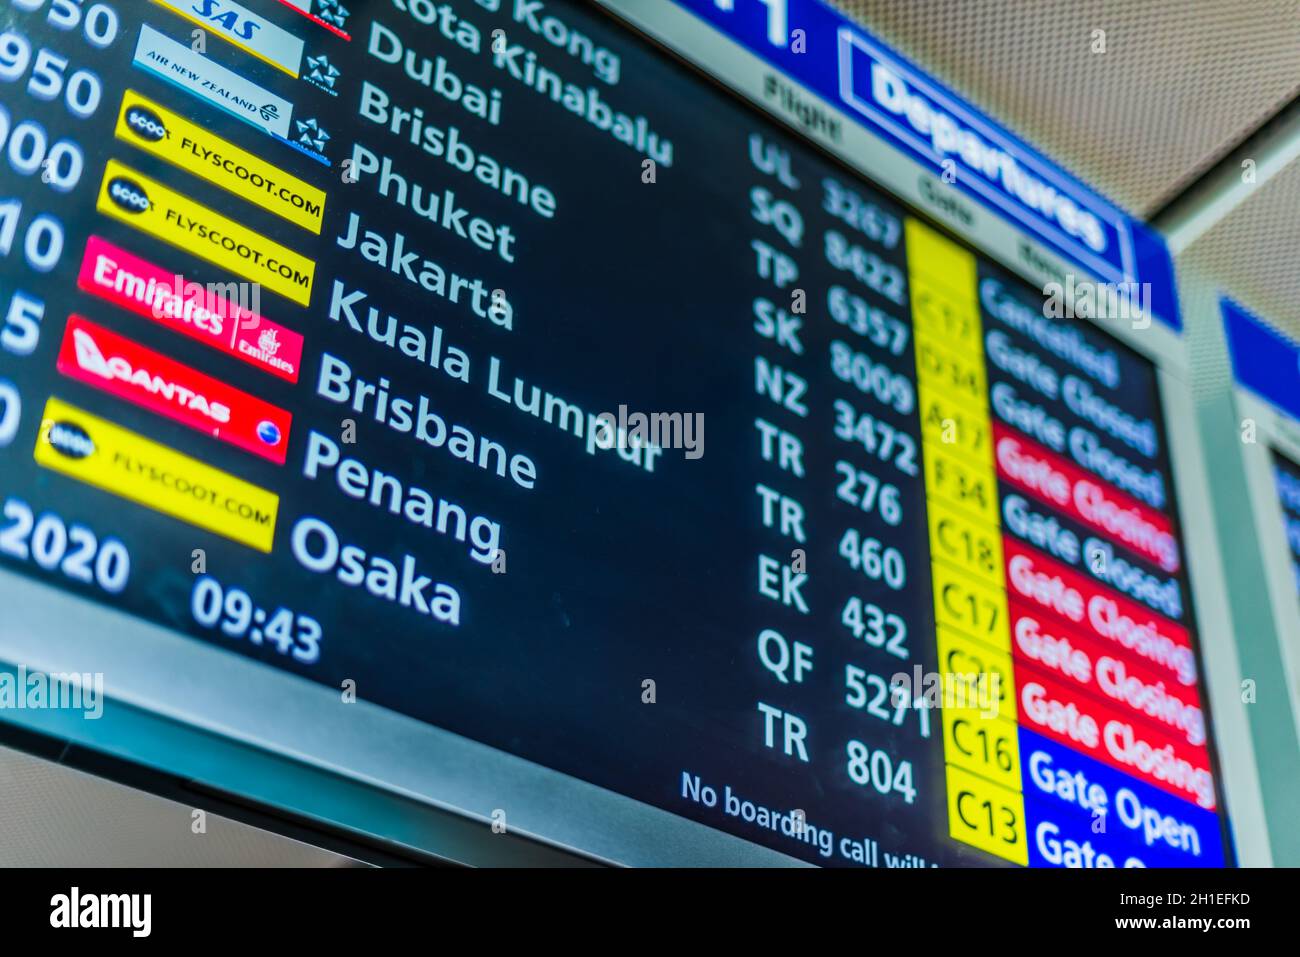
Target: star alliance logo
(333,13)
(312,136)
(321,73)
(330,14)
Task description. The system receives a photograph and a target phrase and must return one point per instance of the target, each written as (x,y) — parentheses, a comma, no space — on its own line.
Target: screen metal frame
(194,711)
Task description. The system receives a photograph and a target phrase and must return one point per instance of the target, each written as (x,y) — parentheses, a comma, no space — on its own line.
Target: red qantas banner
(1046,585)
(1109,735)
(126,280)
(1116,678)
(1051,479)
(93,355)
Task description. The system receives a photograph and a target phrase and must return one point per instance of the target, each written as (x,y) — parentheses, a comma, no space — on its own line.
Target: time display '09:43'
(234,612)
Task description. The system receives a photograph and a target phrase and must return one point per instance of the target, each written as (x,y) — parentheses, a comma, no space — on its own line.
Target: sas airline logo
(229,20)
(98,357)
(238,25)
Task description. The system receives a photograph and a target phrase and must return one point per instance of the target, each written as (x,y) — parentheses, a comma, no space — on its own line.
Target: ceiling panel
(1254,252)
(1181,81)
(54,816)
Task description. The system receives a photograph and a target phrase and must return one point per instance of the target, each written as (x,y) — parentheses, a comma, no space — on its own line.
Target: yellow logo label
(151,207)
(119,461)
(987,816)
(169,136)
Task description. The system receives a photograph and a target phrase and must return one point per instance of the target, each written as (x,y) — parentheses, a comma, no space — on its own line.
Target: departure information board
(482,359)
(1287,475)
(1266,363)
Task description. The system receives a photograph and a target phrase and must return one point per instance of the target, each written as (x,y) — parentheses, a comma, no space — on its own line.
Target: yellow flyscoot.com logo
(169,136)
(151,207)
(119,461)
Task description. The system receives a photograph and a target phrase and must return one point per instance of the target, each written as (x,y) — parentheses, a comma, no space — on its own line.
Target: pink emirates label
(201,312)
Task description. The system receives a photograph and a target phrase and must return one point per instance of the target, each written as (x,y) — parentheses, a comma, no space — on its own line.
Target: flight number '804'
(876,769)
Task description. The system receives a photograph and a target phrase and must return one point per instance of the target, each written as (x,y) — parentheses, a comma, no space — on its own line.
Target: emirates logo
(268,342)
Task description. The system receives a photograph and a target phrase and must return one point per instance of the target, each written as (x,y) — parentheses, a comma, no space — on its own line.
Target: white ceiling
(54,816)
(1182,83)
(1254,252)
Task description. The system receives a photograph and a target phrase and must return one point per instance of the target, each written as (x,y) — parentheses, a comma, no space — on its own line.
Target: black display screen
(483,361)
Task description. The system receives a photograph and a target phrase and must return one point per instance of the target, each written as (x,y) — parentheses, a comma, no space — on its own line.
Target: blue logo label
(268,432)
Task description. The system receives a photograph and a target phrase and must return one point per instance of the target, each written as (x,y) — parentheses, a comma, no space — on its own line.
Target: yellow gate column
(980,743)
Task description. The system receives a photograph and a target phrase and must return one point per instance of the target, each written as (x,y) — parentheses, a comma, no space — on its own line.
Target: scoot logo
(71,441)
(146,124)
(132,467)
(128,194)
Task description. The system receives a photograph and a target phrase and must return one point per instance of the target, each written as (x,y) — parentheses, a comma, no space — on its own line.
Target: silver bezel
(173,698)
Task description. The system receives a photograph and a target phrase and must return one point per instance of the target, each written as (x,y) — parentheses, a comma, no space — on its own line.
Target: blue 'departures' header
(902,105)
(1263,360)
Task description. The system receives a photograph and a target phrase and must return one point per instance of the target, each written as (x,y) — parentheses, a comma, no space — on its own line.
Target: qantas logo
(121,367)
(92,359)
